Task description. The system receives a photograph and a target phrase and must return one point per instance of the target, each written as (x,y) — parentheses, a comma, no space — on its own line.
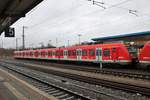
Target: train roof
(76,47)
(96,45)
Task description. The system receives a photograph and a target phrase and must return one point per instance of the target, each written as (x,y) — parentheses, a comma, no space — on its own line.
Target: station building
(133,41)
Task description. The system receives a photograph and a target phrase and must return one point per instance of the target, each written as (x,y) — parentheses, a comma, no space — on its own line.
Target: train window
(39,53)
(84,53)
(80,52)
(49,53)
(66,53)
(36,54)
(46,53)
(107,52)
(54,53)
(114,49)
(69,53)
(23,53)
(57,53)
(30,53)
(92,52)
(43,54)
(77,52)
(73,52)
(26,54)
(98,52)
(61,53)
(133,51)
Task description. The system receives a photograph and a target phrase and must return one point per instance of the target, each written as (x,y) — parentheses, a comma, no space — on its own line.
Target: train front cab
(113,54)
(144,56)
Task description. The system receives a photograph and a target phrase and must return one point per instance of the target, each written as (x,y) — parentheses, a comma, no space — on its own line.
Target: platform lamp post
(49,43)
(23,37)
(17,43)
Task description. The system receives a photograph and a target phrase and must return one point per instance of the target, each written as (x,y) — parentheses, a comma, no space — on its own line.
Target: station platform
(12,88)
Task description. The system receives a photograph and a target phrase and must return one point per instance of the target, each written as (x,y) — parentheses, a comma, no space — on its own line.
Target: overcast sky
(65,19)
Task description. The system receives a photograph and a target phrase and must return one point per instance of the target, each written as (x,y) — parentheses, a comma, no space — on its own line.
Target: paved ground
(12,88)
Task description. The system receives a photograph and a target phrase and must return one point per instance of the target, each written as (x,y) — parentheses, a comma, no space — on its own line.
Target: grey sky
(64,19)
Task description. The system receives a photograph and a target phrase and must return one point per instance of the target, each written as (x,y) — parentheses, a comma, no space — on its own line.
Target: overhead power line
(103,5)
(100,4)
(134,12)
(46,20)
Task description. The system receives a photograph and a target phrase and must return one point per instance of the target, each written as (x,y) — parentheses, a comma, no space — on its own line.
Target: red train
(116,53)
(144,56)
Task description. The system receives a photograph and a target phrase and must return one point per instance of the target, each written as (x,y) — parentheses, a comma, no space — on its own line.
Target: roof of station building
(137,36)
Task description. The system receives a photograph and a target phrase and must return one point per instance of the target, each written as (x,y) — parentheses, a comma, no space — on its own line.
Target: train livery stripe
(86,60)
(146,62)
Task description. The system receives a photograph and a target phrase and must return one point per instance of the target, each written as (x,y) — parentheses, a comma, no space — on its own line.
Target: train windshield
(133,51)
(134,48)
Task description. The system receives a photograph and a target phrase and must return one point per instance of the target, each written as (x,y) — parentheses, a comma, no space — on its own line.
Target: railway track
(45,86)
(61,93)
(122,73)
(117,85)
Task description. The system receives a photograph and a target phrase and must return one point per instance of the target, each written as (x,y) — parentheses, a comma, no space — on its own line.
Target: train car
(144,56)
(42,54)
(16,54)
(106,53)
(72,53)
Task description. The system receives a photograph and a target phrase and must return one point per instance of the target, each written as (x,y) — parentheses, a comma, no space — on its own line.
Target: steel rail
(96,70)
(55,88)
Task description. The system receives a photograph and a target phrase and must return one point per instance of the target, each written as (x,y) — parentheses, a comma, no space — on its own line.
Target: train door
(114,55)
(53,54)
(79,54)
(98,54)
(39,54)
(65,54)
(46,54)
